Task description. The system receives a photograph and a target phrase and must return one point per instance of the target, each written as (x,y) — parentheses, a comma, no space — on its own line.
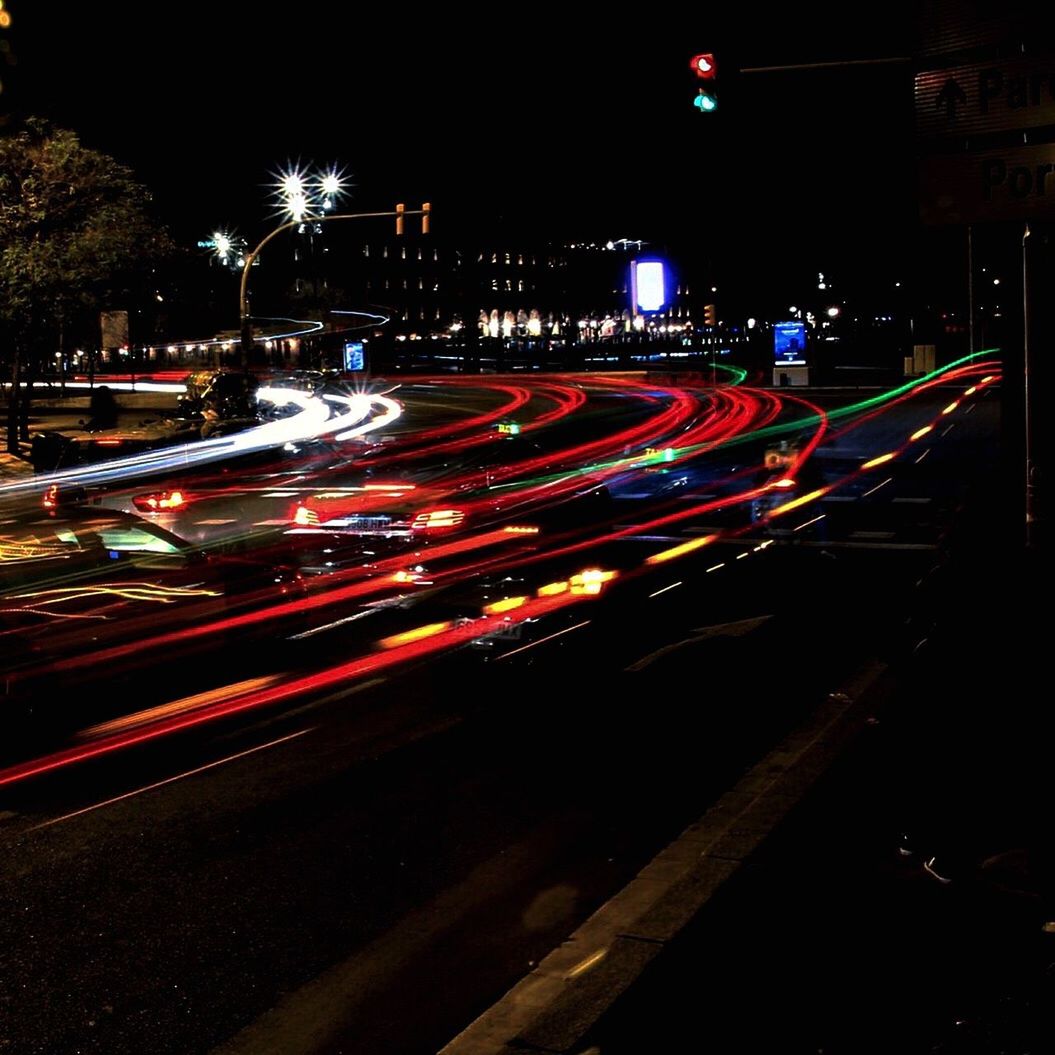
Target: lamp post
(243,297)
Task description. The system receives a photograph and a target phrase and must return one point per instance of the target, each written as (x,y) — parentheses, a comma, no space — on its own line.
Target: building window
(404,255)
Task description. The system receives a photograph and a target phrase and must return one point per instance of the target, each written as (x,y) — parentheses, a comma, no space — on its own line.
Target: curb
(553,1008)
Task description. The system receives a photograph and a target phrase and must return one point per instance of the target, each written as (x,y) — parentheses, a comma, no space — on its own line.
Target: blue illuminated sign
(353,355)
(648,285)
(789,343)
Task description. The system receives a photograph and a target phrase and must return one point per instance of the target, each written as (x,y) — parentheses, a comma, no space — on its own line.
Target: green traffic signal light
(705,102)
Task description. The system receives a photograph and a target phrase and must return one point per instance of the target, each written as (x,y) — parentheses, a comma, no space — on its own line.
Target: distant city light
(832,312)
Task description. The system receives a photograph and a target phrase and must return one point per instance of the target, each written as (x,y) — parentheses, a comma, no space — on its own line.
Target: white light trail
(344,417)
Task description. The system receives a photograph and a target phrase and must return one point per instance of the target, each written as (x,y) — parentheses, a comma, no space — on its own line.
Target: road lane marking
(923,455)
(215,522)
(169,780)
(664,590)
(813,521)
(543,640)
(888,480)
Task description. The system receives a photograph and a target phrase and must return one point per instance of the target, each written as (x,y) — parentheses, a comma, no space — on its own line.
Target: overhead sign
(1013,184)
(986,97)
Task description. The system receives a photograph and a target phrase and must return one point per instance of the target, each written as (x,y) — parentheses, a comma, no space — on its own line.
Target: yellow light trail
(878,461)
(409,636)
(679,551)
(795,503)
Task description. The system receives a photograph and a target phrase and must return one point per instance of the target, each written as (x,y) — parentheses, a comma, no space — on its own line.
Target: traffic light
(704,77)
(400,209)
(710,317)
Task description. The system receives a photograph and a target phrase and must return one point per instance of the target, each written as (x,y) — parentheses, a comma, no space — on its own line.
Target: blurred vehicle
(82,579)
(54,449)
(216,403)
(496,484)
(232,394)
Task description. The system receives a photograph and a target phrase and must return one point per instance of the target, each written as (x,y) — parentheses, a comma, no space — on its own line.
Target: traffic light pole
(243,296)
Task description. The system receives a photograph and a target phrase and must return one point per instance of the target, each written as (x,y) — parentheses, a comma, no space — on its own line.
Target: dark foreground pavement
(902,904)
(906,900)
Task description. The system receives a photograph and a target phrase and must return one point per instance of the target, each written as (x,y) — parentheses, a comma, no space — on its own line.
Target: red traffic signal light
(704,66)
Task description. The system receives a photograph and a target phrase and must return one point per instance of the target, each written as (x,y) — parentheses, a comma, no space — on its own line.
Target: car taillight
(305,516)
(159,500)
(432,519)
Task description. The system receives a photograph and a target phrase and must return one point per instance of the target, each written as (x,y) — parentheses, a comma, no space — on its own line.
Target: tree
(74,231)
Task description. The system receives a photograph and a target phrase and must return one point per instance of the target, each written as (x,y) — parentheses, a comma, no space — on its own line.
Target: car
(511,483)
(54,449)
(81,579)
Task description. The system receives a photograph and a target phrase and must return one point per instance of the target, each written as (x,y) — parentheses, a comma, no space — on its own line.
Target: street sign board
(986,97)
(1017,183)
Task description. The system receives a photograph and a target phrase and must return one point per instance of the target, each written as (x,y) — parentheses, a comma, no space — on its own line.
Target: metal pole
(970,288)
(1026,390)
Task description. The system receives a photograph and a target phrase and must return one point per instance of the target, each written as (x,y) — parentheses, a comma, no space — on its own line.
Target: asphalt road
(382,858)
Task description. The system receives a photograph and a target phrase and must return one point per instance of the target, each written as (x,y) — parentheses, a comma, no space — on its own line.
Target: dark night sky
(575,126)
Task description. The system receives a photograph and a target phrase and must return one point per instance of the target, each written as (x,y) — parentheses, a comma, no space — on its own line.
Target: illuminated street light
(228,247)
(301,195)
(832,312)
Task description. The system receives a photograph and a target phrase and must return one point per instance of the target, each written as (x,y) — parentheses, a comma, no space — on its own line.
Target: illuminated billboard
(353,355)
(789,343)
(648,285)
